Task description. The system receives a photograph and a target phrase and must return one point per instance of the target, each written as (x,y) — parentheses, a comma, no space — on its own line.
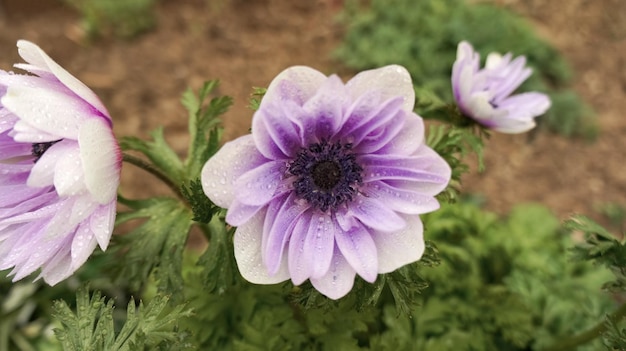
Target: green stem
(570,343)
(155,172)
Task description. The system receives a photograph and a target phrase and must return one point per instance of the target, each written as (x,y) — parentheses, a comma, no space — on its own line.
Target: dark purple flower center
(327,174)
(38,149)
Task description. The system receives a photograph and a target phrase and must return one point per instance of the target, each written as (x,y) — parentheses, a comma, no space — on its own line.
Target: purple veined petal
(299,258)
(259,185)
(377,172)
(7,119)
(326,108)
(59,267)
(338,280)
(401,200)
(247,243)
(282,215)
(25,133)
(320,241)
(274,134)
(297,83)
(74,210)
(52,112)
(239,213)
(396,249)
(26,200)
(361,110)
(375,214)
(32,54)
(435,178)
(101,159)
(35,215)
(69,177)
(345,220)
(408,139)
(358,248)
(226,166)
(13,247)
(387,112)
(34,253)
(302,120)
(102,222)
(380,138)
(12,151)
(393,81)
(526,105)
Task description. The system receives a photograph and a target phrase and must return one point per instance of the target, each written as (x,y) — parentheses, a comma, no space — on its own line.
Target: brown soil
(246,43)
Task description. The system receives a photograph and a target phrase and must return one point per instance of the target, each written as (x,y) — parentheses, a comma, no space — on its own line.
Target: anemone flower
(331,181)
(484,95)
(59,170)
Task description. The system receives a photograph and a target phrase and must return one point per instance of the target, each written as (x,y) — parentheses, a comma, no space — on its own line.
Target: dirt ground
(246,43)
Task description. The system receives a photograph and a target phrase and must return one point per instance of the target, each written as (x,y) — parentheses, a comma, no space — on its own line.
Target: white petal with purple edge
(247,243)
(50,111)
(400,248)
(101,159)
(297,83)
(32,54)
(393,80)
(339,279)
(222,170)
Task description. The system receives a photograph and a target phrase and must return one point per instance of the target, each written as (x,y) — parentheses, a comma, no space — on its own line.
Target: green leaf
(92,327)
(204,125)
(203,208)
(159,152)
(156,246)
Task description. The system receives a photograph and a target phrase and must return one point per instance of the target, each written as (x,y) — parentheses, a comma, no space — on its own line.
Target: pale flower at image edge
(59,170)
(331,182)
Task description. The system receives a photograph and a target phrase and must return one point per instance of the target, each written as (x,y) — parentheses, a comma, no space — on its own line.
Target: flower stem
(570,343)
(155,172)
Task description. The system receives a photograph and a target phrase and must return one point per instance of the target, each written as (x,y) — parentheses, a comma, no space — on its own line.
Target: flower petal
(274,134)
(247,242)
(396,249)
(359,250)
(226,166)
(50,111)
(401,200)
(392,80)
(300,259)
(320,241)
(297,83)
(339,279)
(282,215)
(32,54)
(259,185)
(102,222)
(375,214)
(101,159)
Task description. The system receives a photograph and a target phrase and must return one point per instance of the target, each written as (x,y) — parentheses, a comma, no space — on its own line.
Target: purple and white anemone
(59,170)
(484,95)
(331,181)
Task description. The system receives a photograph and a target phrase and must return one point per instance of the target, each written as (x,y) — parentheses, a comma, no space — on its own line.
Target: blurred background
(140,55)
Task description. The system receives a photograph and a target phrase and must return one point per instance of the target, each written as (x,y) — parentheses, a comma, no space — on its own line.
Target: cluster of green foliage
(423,37)
(121,18)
